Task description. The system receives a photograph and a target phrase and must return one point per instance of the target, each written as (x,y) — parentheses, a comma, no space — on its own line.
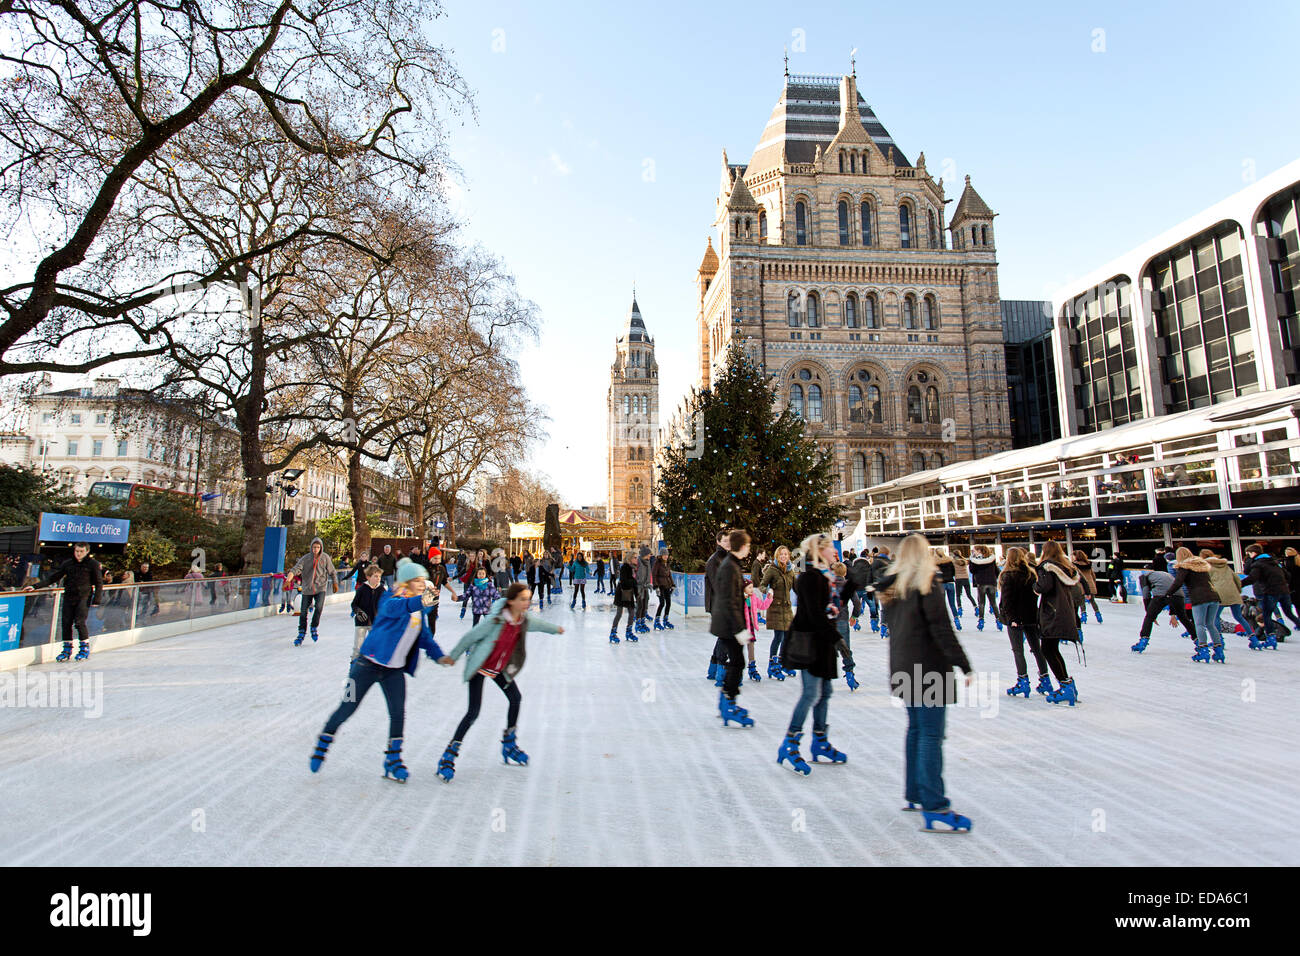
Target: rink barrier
(30,626)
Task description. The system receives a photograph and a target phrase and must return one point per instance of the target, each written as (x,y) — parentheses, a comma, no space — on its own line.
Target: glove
(742,637)
(362,618)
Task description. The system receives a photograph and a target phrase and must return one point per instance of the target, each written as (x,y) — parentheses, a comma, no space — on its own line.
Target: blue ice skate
(394,769)
(948,821)
(979,626)
(613,634)
(659,625)
(753,671)
(447,765)
(713,669)
(1065,694)
(1097,615)
(66,653)
(510,748)
(850,679)
(1022,686)
(774,669)
(1202,655)
(315,636)
(1217,655)
(1141,645)
(318,755)
(733,712)
(789,757)
(1044,684)
(668,625)
(821,747)
(83,651)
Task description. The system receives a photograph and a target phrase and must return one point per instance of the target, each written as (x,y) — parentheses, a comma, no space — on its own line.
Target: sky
(594,160)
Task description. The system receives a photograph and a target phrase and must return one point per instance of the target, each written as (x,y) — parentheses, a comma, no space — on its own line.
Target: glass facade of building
(1280,224)
(1031,378)
(1103,351)
(1201,321)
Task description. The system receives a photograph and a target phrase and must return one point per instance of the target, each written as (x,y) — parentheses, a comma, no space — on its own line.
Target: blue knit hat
(408,569)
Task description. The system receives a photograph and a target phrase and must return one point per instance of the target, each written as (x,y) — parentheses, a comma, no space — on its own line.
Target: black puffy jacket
(727,614)
(710,578)
(1017,602)
(81,580)
(1267,578)
(923,648)
(984,571)
(1058,611)
(1194,572)
(813,590)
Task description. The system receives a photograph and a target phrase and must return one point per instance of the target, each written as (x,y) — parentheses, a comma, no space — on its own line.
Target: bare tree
(97,102)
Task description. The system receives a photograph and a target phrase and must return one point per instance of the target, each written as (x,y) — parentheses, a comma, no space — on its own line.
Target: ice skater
(578,572)
(365,605)
(494,650)
(727,625)
(663,582)
(479,595)
(623,586)
(1018,607)
(776,584)
(83,585)
(390,651)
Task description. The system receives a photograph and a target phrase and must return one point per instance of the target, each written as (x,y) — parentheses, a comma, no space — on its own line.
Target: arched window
(866,223)
(974,236)
(878,468)
(859,471)
(984,235)
(631,453)
(796,399)
(814,403)
(927,314)
(792,309)
(869,313)
(853,162)
(814,317)
(909,312)
(627,404)
(843,210)
(800,224)
(936,460)
(762,224)
(855,404)
(932,405)
(934,244)
(918,461)
(851,311)
(873,404)
(841,162)
(914,405)
(905,226)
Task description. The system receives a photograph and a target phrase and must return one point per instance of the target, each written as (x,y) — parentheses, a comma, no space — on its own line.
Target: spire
(741,198)
(709,264)
(786,51)
(971,206)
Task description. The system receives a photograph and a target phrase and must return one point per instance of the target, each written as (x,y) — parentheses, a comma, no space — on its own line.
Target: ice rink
(200,757)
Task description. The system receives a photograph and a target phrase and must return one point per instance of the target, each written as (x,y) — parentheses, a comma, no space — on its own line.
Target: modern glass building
(1031,373)
(1201,314)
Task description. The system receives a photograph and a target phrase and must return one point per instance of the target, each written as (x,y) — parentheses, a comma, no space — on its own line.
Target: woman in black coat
(819,606)
(1018,606)
(1059,585)
(623,587)
(923,652)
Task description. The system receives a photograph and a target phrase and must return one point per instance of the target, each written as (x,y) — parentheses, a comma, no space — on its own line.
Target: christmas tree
(747,467)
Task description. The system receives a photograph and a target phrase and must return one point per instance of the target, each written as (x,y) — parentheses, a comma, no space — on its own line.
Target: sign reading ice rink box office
(92,530)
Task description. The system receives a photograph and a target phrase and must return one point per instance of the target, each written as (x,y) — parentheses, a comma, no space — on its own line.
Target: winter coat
(365,603)
(663,574)
(756,571)
(755,602)
(961,568)
(82,580)
(1194,573)
(879,568)
(643,571)
(1058,611)
(727,617)
(1225,582)
(860,573)
(777,583)
(923,648)
(1292,572)
(600,570)
(710,572)
(625,587)
(1155,584)
(481,596)
(387,563)
(579,571)
(1084,567)
(984,571)
(391,622)
(947,570)
(1017,602)
(1267,578)
(316,572)
(813,590)
(478,642)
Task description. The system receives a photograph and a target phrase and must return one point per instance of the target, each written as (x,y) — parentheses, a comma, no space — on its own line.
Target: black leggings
(364,675)
(778,637)
(476,701)
(579,591)
(963,584)
(1019,635)
(1174,604)
(665,600)
(618,616)
(1052,653)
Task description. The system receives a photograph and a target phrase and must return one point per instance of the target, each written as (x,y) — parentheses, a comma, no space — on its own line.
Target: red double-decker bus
(128,492)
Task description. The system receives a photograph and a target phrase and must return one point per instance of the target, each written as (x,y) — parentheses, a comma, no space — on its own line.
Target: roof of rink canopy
(1242,411)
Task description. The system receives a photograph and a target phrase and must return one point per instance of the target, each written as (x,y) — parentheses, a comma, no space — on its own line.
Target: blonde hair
(914,567)
(1181,555)
(776,555)
(839,568)
(811,547)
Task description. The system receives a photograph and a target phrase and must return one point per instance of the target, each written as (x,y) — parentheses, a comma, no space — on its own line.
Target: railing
(34,617)
(1255,476)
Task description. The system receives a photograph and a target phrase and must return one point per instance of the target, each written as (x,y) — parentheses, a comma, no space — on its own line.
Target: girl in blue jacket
(494,649)
(390,651)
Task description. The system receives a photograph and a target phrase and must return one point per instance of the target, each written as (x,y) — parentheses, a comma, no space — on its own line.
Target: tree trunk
(356,489)
(450,531)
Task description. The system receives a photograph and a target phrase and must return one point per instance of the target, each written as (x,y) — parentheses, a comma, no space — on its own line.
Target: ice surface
(200,757)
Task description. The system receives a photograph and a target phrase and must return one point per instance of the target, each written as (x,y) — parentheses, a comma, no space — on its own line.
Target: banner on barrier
(11,622)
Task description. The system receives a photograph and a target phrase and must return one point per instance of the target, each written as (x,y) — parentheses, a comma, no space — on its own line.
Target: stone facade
(833,268)
(632,407)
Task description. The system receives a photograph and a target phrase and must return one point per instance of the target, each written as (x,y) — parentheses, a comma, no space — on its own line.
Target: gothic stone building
(632,406)
(834,269)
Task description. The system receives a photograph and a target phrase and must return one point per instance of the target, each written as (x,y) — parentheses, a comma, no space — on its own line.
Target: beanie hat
(435,552)
(408,569)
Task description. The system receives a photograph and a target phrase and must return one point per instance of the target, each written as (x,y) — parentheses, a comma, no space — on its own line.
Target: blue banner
(695,590)
(73,528)
(11,622)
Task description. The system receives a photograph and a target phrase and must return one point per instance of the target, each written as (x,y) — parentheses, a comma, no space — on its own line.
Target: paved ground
(200,757)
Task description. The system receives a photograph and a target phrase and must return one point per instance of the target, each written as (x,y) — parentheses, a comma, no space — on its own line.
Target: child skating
(494,649)
(365,605)
(479,595)
(390,651)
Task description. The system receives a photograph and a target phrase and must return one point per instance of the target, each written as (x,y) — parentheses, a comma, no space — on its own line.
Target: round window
(863,376)
(922,376)
(805,374)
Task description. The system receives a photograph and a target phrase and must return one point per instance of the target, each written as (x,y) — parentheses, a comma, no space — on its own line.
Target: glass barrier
(163,603)
(114,613)
(38,618)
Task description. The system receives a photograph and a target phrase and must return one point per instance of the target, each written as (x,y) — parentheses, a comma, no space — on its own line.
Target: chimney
(106,386)
(849,101)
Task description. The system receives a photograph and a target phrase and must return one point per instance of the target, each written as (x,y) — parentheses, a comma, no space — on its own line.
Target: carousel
(578,532)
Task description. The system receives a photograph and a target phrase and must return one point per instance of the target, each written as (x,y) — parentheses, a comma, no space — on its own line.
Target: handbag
(797,651)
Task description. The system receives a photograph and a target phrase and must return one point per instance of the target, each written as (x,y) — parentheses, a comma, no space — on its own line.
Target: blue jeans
(1202,615)
(777,638)
(1236,613)
(816,695)
(950,588)
(1212,626)
(923,752)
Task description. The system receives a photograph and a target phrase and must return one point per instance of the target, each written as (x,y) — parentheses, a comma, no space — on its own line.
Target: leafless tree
(102,107)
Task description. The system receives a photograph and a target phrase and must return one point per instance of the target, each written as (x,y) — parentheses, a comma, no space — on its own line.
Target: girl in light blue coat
(494,649)
(390,651)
